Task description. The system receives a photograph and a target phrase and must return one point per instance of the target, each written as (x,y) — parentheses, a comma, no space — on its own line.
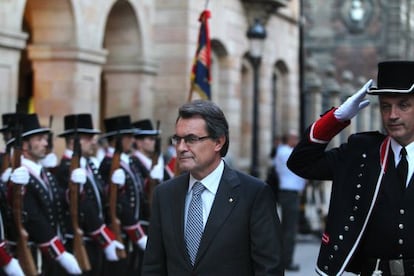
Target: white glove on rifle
(20,176)
(110,250)
(69,263)
(78,176)
(50,160)
(5,176)
(353,104)
(13,268)
(118,177)
(142,242)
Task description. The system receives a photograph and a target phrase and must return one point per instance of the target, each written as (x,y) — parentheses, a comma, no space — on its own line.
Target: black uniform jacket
(355,169)
(91,200)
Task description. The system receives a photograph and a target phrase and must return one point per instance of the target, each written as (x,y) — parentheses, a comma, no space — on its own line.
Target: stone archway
(127,78)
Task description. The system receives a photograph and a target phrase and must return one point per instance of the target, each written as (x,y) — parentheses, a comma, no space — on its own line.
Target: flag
(200,74)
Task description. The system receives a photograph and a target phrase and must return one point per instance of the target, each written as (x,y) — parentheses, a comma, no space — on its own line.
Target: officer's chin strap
(377,272)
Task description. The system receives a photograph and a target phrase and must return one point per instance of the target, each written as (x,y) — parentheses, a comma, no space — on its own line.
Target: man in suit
(371,215)
(211,219)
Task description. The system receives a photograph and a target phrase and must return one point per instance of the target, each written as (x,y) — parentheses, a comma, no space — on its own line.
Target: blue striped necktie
(194,227)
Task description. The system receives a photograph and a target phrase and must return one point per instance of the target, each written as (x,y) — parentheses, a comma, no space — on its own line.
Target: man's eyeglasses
(189,139)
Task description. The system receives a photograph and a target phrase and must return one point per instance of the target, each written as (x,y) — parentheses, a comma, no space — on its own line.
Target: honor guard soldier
(98,238)
(8,263)
(117,171)
(43,200)
(148,159)
(371,213)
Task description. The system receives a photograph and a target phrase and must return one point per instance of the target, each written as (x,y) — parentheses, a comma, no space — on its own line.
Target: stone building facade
(343,43)
(134,57)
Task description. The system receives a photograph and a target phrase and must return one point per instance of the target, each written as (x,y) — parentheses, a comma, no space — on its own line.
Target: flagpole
(206,5)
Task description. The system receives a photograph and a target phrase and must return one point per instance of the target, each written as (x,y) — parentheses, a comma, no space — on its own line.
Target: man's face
(35,147)
(127,141)
(146,145)
(201,157)
(397,112)
(88,144)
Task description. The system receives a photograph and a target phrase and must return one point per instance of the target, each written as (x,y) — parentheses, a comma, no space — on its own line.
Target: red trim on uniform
(5,257)
(134,232)
(54,248)
(325,238)
(383,150)
(104,236)
(170,168)
(324,129)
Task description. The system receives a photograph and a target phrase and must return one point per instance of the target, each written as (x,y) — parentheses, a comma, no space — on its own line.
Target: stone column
(129,87)
(333,92)
(66,81)
(11,44)
(347,91)
(364,116)
(313,101)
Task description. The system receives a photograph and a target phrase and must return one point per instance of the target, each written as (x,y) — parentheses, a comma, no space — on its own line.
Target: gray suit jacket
(242,235)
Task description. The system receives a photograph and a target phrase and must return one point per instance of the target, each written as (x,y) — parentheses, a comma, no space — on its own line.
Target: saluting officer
(119,129)
(99,238)
(371,214)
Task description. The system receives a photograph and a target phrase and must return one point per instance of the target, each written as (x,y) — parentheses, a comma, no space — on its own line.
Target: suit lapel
(224,202)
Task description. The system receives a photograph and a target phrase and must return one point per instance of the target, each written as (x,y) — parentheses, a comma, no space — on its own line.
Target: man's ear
(220,143)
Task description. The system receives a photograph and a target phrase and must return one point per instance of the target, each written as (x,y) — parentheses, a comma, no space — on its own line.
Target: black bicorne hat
(80,123)
(145,128)
(7,119)
(119,124)
(29,126)
(394,77)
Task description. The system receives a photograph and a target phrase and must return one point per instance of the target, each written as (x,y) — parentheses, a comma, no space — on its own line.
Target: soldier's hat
(118,125)
(29,124)
(394,77)
(79,123)
(145,128)
(7,119)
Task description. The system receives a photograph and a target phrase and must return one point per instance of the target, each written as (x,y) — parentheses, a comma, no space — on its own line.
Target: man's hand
(353,104)
(69,263)
(118,177)
(78,176)
(20,176)
(13,268)
(110,250)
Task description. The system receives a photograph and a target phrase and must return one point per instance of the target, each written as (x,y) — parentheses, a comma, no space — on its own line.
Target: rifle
(5,160)
(155,155)
(50,136)
(22,248)
(78,247)
(115,225)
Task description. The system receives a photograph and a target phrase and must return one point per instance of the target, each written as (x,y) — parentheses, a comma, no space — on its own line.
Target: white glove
(157,171)
(5,176)
(353,104)
(69,263)
(118,177)
(20,176)
(110,250)
(13,268)
(78,176)
(142,242)
(50,160)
